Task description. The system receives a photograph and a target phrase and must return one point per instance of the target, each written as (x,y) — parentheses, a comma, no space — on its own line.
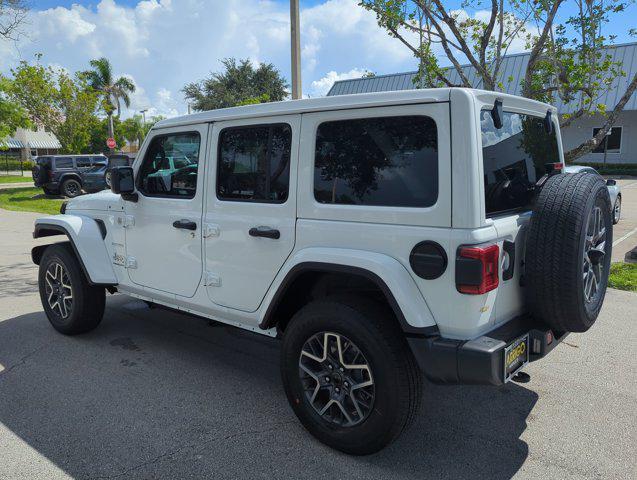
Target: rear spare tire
(568,251)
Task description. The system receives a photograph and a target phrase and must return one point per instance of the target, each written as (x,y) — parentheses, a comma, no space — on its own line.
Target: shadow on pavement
(154,394)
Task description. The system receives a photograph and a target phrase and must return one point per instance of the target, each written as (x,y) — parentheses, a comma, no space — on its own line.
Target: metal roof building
(511,75)
(620,146)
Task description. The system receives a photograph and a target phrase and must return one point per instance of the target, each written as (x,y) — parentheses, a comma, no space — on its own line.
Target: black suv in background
(65,174)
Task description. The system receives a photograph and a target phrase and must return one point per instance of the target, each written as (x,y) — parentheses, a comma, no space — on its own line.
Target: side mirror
(122,180)
(611,183)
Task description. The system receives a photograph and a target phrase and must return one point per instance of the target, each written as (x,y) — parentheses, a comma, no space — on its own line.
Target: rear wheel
(71,304)
(71,188)
(349,374)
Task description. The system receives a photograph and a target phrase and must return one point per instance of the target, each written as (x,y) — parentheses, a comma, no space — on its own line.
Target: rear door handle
(185,224)
(266,232)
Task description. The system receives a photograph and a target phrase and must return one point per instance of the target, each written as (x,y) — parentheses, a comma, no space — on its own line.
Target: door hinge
(210,230)
(129,221)
(212,280)
(131,262)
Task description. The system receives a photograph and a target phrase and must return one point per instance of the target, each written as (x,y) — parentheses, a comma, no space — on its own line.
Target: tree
(567,60)
(12,116)
(12,16)
(240,84)
(112,91)
(133,129)
(62,104)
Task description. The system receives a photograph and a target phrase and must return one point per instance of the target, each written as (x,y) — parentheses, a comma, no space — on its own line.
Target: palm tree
(113,91)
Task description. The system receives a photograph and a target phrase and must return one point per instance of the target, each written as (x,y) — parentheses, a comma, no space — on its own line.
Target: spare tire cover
(568,251)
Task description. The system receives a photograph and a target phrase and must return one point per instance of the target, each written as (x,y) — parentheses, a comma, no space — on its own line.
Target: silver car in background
(613,189)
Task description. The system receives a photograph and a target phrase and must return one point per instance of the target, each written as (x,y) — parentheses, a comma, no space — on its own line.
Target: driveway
(625,232)
(157,395)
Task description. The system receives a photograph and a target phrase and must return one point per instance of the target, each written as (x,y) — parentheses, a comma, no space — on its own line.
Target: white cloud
(164,44)
(321,86)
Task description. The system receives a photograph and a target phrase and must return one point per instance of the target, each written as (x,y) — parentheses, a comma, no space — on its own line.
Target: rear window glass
(515,158)
(63,162)
(384,161)
(43,161)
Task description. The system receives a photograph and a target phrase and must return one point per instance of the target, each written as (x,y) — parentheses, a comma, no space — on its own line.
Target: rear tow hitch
(521,377)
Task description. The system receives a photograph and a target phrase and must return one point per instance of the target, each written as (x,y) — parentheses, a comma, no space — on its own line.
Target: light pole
(143,112)
(295,35)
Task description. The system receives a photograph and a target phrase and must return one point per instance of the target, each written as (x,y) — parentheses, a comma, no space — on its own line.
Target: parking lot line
(624,237)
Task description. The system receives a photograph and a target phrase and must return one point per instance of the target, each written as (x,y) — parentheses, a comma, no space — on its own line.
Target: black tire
(555,261)
(107,178)
(397,389)
(71,188)
(617,210)
(85,310)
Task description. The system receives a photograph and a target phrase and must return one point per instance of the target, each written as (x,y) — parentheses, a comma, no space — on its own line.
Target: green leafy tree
(240,84)
(133,129)
(12,115)
(112,91)
(567,59)
(62,104)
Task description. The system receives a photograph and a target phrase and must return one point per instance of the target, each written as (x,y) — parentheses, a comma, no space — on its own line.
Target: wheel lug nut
(330,367)
(341,369)
(327,379)
(337,389)
(346,384)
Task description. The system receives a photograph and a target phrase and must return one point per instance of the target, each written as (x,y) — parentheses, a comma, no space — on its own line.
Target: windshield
(515,158)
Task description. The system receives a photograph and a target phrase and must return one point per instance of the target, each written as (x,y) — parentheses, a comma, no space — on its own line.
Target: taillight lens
(477,269)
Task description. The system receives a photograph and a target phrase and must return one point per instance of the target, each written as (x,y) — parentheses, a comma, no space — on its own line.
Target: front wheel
(71,304)
(349,375)
(617,210)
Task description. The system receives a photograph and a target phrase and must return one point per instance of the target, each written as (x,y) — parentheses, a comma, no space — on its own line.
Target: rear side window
(254,163)
(515,158)
(385,161)
(82,162)
(63,162)
(43,161)
(170,166)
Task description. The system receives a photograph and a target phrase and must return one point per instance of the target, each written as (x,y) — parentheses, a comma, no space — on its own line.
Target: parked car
(63,174)
(98,177)
(349,227)
(614,190)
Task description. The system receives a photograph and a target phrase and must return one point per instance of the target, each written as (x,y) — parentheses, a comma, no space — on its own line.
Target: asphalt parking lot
(153,395)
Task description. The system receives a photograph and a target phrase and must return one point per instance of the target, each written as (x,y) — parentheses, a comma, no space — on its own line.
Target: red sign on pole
(110,142)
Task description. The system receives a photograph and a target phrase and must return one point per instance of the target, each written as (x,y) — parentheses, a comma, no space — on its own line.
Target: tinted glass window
(99,159)
(170,166)
(254,163)
(611,143)
(43,160)
(390,161)
(514,160)
(63,162)
(82,162)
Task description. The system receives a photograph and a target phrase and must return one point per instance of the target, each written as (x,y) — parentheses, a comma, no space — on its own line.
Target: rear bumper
(480,361)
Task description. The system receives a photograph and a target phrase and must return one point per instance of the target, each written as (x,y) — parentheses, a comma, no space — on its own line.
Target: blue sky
(164,44)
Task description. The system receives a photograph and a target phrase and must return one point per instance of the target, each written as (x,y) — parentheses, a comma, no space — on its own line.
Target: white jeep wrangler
(384,237)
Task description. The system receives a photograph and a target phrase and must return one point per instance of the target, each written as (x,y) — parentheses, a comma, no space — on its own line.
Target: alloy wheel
(594,253)
(59,291)
(337,379)
(617,210)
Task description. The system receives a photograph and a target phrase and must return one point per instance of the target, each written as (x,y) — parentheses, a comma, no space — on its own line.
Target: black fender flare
(269,319)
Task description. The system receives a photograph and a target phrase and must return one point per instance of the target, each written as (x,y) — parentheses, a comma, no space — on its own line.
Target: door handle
(185,224)
(266,232)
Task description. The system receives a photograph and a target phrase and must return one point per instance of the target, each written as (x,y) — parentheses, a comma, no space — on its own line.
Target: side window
(83,162)
(63,162)
(384,161)
(170,166)
(611,143)
(254,163)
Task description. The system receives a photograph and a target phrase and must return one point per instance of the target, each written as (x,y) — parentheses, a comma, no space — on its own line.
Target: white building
(620,145)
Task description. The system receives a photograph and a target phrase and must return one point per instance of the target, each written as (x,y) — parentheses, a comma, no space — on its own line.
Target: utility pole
(143,112)
(295,34)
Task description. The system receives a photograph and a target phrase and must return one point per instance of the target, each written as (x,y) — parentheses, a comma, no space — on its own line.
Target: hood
(96,201)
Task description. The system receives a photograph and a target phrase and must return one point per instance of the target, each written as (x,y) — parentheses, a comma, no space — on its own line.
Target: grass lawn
(14,179)
(623,276)
(27,199)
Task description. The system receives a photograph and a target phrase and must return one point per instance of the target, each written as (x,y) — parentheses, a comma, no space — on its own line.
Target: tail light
(477,269)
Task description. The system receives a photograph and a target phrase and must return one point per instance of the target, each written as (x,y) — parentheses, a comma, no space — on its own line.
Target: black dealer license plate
(516,355)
